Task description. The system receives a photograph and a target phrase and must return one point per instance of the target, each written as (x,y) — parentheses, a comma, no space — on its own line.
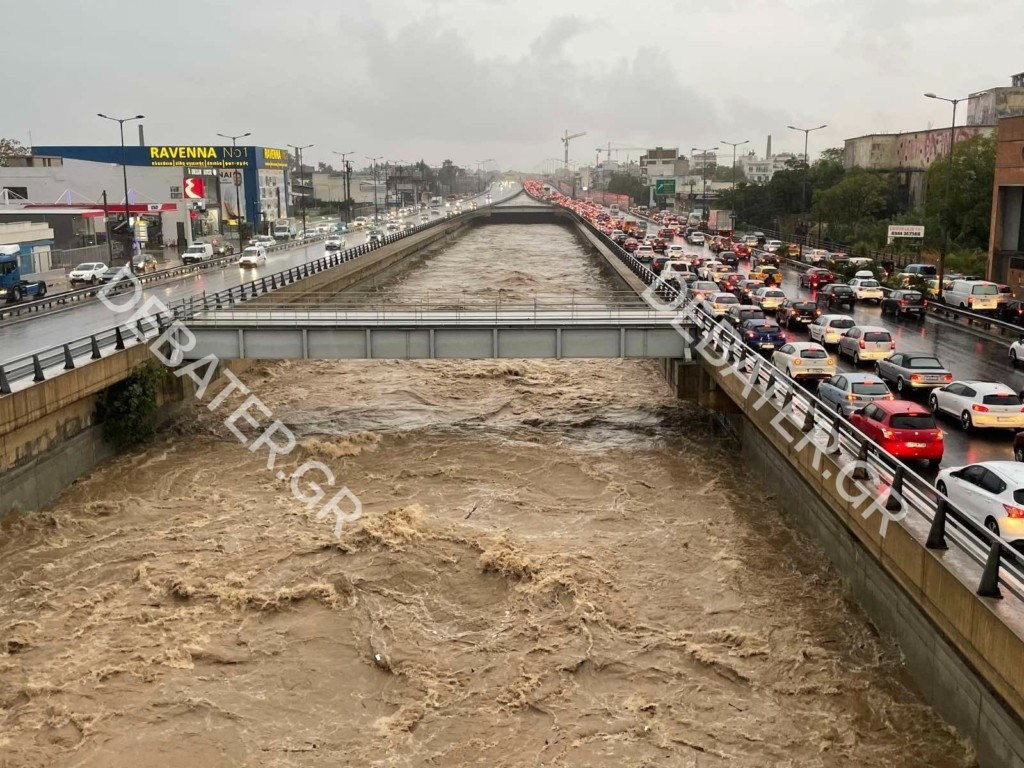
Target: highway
(35,333)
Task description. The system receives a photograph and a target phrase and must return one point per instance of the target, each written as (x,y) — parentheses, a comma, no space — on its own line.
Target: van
(925,270)
(976,295)
(197,252)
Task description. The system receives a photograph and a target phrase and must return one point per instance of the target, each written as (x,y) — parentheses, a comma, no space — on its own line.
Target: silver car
(848,392)
(913,371)
(866,342)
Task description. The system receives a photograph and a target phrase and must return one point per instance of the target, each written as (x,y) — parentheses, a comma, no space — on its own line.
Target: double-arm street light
(346,192)
(124,168)
(807,164)
(376,211)
(298,157)
(238,201)
(703,177)
(945,203)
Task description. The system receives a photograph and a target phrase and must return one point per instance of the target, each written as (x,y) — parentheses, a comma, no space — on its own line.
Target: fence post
(989,586)
(937,532)
(69,361)
(860,471)
(38,368)
(5,385)
(809,417)
(119,339)
(893,503)
(95,348)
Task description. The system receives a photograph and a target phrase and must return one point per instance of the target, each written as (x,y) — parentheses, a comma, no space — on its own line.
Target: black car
(730,258)
(1012,312)
(796,312)
(223,249)
(901,303)
(836,295)
(745,290)
(765,258)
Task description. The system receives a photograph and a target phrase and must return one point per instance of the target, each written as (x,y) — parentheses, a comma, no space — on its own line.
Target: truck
(284,229)
(720,222)
(197,252)
(12,286)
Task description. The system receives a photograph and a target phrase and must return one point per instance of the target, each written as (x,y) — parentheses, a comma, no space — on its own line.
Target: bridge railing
(907,493)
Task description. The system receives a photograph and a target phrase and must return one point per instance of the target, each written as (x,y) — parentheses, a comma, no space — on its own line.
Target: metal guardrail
(67,355)
(39,306)
(1000,564)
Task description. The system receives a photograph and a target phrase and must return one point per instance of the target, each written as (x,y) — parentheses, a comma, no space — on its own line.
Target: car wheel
(965,421)
(42,290)
(16,294)
(992,525)
(1013,358)
(93,280)
(941,488)
(839,410)
(1018,454)
(899,385)
(896,314)
(856,359)
(933,404)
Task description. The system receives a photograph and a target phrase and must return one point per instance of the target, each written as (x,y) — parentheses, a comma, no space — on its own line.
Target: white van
(976,295)
(196,253)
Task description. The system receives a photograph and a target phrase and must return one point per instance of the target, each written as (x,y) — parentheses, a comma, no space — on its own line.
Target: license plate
(816,370)
(917,445)
(1007,418)
(767,346)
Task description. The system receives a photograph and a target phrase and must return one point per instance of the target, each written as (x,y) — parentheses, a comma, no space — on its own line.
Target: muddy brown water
(558,564)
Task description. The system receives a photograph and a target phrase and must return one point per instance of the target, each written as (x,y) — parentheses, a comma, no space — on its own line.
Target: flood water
(558,564)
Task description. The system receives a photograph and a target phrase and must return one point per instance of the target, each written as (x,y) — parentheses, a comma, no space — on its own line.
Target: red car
(906,430)
(631,244)
(742,250)
(816,277)
(667,234)
(659,246)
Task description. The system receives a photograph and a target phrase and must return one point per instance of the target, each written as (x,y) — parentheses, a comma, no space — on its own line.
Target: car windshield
(1002,399)
(775,294)
(985,290)
(842,322)
(805,306)
(877,336)
(726,298)
(813,354)
(870,388)
(912,421)
(923,362)
(195,249)
(86,267)
(837,289)
(868,283)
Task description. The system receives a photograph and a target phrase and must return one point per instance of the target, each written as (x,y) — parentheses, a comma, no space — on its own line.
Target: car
(88,272)
(814,256)
(773,246)
(744,291)
(698,290)
(644,254)
(797,312)
(424,218)
(707,269)
(904,302)
(741,250)
(762,335)
(675,251)
(793,250)
(658,263)
(768,298)
(677,269)
(659,245)
(1017,352)
(376,237)
(393,226)
(835,295)
(728,280)
(696,238)
(719,304)
(815,278)
(848,392)
(979,404)
(866,289)
(223,249)
(975,295)
(829,329)
(772,276)
(265,240)
(804,360)
(903,429)
(766,257)
(866,342)
(729,258)
(990,492)
(253,256)
(143,263)
(1012,311)
(913,372)
(740,313)
(334,243)
(435,213)
(631,244)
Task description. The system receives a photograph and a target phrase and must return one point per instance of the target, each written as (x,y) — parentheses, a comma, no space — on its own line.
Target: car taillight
(924,303)
(830,361)
(1015,512)
(915,377)
(751,335)
(890,397)
(970,299)
(903,303)
(892,345)
(938,434)
(979,408)
(862,344)
(851,398)
(947,377)
(888,434)
(798,361)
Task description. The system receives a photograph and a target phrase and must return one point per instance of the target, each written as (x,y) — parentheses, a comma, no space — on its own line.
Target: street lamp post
(344,180)
(238,200)
(704,177)
(376,211)
(945,202)
(807,166)
(124,168)
(734,144)
(298,157)
(479,165)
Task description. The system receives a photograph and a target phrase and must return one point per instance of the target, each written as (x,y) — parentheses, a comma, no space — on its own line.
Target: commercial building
(1006,238)
(664,172)
(175,191)
(760,170)
(988,107)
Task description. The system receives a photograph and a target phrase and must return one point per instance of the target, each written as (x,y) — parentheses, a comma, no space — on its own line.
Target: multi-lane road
(34,333)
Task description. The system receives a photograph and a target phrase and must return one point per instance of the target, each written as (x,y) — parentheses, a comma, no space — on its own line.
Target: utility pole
(945,204)
(106,224)
(124,170)
(376,210)
(238,201)
(344,181)
(734,144)
(807,167)
(298,153)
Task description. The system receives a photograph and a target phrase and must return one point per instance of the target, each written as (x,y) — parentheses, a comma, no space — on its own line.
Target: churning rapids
(558,564)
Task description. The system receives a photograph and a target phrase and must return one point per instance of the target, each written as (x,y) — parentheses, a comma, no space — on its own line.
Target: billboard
(664,186)
(905,230)
(198,156)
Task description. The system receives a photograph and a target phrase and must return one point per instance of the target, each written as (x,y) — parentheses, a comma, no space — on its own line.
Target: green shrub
(127,409)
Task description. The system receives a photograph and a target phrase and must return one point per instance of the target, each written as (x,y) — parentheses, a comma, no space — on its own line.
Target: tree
(724,173)
(860,197)
(625,184)
(10,148)
(968,214)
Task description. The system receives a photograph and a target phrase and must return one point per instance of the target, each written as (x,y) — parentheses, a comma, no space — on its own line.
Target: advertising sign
(905,230)
(664,186)
(194,188)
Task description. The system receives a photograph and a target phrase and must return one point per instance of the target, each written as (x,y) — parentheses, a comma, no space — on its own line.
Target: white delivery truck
(284,229)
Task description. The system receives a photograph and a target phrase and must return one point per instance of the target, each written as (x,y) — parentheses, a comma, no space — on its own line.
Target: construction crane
(565,140)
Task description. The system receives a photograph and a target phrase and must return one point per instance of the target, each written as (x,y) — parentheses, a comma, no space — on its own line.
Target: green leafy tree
(968,214)
(10,148)
(128,409)
(625,184)
(860,196)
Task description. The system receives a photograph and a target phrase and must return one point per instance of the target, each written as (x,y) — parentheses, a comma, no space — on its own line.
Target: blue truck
(12,287)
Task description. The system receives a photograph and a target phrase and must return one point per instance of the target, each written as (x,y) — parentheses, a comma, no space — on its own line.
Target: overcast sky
(476,79)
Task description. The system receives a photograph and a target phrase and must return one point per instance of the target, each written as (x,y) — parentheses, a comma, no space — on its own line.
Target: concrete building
(664,169)
(1006,238)
(988,107)
(34,241)
(698,160)
(759,170)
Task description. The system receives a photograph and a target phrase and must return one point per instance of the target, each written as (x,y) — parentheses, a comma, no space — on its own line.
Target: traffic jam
(926,393)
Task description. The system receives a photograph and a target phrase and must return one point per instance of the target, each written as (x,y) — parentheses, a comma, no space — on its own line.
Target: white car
(335,243)
(866,289)
(1017,352)
(767,298)
(675,251)
(644,254)
(773,246)
(253,256)
(991,492)
(697,238)
(707,269)
(265,240)
(89,272)
(804,360)
(719,303)
(866,342)
(986,404)
(828,329)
